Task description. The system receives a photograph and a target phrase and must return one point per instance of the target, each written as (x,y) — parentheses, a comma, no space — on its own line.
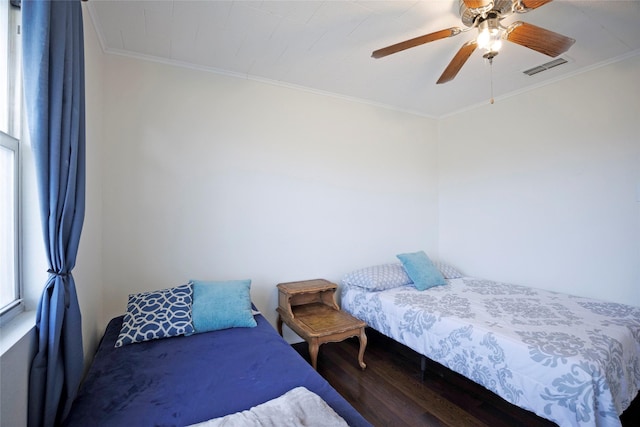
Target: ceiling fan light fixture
(489,35)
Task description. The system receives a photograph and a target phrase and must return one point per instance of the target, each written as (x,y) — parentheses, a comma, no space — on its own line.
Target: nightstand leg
(279,324)
(313,353)
(363,346)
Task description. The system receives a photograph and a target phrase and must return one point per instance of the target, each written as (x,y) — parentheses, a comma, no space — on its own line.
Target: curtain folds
(53,68)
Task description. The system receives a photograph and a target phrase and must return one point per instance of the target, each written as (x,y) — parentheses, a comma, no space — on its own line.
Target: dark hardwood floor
(390,391)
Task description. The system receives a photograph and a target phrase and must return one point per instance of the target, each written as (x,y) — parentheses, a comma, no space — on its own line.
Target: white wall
(215,177)
(88,270)
(543,189)
(14,380)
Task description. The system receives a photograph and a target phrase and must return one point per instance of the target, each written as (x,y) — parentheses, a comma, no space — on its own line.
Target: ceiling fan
(485,15)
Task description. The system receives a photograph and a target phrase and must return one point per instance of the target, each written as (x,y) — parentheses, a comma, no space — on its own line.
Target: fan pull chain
(491,77)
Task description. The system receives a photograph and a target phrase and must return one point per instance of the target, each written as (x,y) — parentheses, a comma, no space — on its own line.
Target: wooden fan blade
(457,62)
(538,39)
(476,4)
(442,34)
(533,4)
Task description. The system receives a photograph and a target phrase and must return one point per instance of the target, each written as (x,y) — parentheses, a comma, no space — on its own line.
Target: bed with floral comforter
(572,360)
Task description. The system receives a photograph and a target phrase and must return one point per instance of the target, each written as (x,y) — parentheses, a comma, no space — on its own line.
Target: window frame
(10,139)
(16,306)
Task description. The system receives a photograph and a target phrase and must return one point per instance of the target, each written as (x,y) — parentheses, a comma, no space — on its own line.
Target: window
(9,290)
(10,108)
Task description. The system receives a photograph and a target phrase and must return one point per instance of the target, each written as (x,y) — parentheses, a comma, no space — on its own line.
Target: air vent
(545,66)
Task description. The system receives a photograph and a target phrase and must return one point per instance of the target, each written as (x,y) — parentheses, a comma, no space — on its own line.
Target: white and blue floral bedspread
(572,360)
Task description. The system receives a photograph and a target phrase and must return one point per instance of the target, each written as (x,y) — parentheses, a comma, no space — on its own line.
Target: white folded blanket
(297,407)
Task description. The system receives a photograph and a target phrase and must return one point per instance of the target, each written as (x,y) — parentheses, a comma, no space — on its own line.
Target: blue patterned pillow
(423,273)
(157,314)
(378,277)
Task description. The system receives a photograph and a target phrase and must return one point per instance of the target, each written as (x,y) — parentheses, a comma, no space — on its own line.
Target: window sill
(16,329)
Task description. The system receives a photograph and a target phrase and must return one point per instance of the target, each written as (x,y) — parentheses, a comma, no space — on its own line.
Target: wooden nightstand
(309,308)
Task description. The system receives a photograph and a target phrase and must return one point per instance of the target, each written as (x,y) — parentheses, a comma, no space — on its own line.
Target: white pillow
(447,271)
(378,277)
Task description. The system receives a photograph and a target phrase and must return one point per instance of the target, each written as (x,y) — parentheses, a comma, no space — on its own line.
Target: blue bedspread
(185,380)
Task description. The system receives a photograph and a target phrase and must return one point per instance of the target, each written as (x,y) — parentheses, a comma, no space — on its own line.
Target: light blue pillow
(157,314)
(421,270)
(221,305)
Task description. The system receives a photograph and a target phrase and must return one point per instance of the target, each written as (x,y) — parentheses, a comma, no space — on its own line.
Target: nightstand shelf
(309,308)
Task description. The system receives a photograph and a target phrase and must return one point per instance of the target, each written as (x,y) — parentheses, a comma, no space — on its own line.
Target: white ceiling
(326,46)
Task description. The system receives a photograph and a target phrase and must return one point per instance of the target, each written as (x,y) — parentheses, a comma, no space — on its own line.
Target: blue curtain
(53,68)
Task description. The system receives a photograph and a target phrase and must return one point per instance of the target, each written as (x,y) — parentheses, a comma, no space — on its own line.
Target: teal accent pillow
(421,270)
(221,305)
